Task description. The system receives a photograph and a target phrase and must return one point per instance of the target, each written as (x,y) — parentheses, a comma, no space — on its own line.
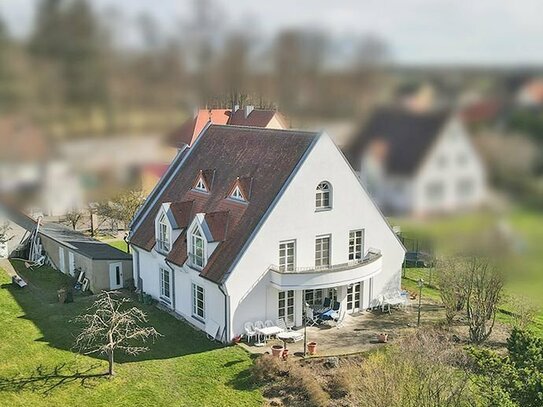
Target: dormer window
(237,194)
(197,248)
(164,234)
(201,185)
(323,196)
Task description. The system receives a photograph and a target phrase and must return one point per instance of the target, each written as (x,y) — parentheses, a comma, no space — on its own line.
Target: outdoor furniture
(329,315)
(293,336)
(249,331)
(336,306)
(341,318)
(280,322)
(310,318)
(392,299)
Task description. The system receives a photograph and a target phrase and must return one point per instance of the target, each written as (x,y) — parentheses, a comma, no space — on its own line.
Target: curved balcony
(307,278)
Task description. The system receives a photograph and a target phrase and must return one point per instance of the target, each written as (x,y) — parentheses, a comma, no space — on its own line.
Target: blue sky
(418,31)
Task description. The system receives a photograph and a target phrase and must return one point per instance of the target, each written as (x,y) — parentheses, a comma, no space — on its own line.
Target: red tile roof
(189,131)
(268,156)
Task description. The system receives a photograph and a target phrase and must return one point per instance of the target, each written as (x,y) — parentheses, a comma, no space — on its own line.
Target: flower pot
(285,354)
(237,339)
(382,338)
(312,348)
(277,350)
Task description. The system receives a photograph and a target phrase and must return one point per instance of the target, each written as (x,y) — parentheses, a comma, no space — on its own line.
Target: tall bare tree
(74,217)
(110,325)
(123,206)
(4,229)
(451,281)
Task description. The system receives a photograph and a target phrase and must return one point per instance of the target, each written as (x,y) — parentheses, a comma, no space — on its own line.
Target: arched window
(323,196)
(163,238)
(197,248)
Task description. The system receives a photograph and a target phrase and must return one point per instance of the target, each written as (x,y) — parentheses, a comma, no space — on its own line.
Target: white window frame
(284,263)
(323,257)
(237,195)
(323,196)
(201,185)
(164,234)
(196,260)
(198,302)
(435,191)
(165,293)
(356,244)
(286,307)
(314,297)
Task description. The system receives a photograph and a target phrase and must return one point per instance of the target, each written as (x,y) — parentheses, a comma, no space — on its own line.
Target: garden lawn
(525,268)
(38,367)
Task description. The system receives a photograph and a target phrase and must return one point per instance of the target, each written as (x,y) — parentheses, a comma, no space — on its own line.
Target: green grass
(525,265)
(118,244)
(39,368)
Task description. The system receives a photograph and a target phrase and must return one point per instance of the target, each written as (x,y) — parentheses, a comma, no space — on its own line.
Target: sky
(418,31)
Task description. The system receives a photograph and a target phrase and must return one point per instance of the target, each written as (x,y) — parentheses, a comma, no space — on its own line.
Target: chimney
(248,110)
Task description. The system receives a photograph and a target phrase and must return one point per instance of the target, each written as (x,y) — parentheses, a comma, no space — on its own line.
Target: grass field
(526,264)
(39,368)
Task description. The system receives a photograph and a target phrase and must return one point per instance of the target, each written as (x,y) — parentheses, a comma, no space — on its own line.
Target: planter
(285,354)
(312,348)
(277,350)
(237,339)
(382,338)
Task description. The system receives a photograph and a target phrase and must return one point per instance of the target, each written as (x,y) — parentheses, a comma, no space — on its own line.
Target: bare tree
(122,207)
(111,326)
(73,217)
(451,281)
(4,229)
(483,289)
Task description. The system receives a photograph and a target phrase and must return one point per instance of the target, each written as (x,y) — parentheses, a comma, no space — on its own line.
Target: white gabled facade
(255,287)
(450,178)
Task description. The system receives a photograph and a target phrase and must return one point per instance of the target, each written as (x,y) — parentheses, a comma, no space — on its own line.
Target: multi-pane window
(464,188)
(287,252)
(323,196)
(198,302)
(286,306)
(322,251)
(313,297)
(165,291)
(237,195)
(197,248)
(200,185)
(163,234)
(356,244)
(354,296)
(435,191)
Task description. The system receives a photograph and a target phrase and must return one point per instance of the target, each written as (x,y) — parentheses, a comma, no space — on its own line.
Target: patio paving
(358,332)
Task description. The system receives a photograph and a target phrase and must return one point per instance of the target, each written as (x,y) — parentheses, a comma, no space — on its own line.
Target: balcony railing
(369,258)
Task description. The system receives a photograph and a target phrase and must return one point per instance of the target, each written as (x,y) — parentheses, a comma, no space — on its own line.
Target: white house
(251,223)
(418,163)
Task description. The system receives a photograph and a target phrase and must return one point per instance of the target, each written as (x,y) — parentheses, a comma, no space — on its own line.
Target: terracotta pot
(312,348)
(277,350)
(382,338)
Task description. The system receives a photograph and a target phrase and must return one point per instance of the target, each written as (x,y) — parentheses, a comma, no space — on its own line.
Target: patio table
(267,331)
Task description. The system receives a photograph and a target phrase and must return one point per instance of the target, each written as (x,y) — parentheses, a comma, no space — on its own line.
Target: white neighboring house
(250,224)
(418,163)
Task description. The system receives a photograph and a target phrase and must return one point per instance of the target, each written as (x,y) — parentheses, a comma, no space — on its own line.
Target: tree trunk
(110,371)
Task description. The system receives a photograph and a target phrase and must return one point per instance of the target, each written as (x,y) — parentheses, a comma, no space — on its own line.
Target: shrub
(302,379)
(341,384)
(267,368)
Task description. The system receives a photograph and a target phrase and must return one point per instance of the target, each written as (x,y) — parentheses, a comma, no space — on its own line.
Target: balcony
(305,278)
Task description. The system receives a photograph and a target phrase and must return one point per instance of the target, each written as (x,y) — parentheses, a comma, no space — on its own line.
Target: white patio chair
(280,322)
(310,317)
(249,331)
(260,325)
(341,318)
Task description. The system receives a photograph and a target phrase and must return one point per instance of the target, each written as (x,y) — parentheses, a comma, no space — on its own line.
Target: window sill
(323,209)
(199,319)
(165,300)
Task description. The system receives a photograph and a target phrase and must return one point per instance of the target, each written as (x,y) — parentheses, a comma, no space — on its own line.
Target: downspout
(173,283)
(222,287)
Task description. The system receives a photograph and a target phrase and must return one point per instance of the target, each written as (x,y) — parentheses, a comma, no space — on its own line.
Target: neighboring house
(251,224)
(530,94)
(418,163)
(188,133)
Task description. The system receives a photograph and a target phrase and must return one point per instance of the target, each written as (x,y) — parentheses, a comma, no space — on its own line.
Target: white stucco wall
(452,160)
(294,217)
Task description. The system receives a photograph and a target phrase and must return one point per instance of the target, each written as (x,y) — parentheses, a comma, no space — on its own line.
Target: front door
(71,263)
(354,297)
(61,263)
(115,276)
